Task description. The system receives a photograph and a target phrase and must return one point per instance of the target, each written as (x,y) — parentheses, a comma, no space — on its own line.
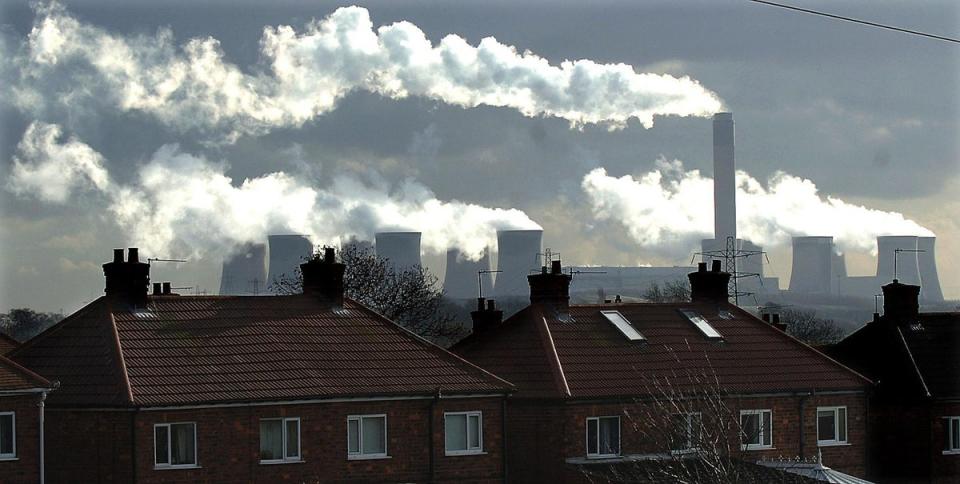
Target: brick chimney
(709,286)
(127,281)
(900,302)
(485,318)
(323,277)
(551,287)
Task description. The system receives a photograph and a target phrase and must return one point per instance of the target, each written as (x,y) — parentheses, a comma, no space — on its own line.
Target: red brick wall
(86,446)
(535,430)
(228,442)
(944,467)
(26,466)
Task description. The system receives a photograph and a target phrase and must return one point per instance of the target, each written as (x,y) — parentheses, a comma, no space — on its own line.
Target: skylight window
(701,323)
(623,325)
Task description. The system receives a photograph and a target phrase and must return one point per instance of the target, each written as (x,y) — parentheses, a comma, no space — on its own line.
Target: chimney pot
(485,318)
(491,305)
(156,289)
(128,282)
(166,289)
(117,255)
(716,266)
(766,318)
(323,278)
(776,318)
(133,254)
(480,302)
(329,256)
(555,267)
(702,267)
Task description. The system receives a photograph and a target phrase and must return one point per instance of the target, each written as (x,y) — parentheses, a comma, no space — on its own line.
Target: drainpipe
(433,406)
(43,396)
(503,435)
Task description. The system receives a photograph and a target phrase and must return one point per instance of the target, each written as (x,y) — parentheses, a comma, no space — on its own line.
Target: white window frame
(951,437)
(469,450)
(836,426)
(283,436)
(13,430)
(687,422)
(586,442)
(169,464)
(359,455)
(763,431)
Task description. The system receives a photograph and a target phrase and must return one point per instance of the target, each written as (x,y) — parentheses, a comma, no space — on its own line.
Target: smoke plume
(303,74)
(669,208)
(185,204)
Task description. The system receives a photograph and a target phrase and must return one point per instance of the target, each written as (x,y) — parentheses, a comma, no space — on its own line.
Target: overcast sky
(870,117)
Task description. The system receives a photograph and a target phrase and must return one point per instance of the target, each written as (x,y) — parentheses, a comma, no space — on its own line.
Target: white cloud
(303,74)
(50,168)
(670,208)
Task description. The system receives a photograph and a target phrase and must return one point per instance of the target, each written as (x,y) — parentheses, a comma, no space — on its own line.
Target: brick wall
(25,468)
(84,446)
(944,467)
(537,430)
(228,441)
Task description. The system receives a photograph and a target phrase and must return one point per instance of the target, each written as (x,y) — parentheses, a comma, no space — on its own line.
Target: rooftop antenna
(155,259)
(896,254)
(480,274)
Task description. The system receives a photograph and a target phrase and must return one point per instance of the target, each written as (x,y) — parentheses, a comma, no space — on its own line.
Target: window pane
(474,431)
(271,439)
(6,434)
(353,436)
(826,425)
(610,436)
(696,424)
(182,444)
(955,433)
(161,437)
(591,436)
(842,424)
(767,427)
(293,438)
(750,426)
(678,432)
(456,432)
(374,435)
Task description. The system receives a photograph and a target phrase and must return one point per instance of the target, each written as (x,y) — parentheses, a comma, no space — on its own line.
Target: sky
(185,128)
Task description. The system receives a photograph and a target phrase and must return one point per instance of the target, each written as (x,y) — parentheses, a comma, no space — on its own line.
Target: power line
(858,21)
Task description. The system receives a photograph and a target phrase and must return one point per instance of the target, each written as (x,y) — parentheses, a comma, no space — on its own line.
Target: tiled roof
(15,377)
(7,344)
(596,360)
(912,360)
(197,349)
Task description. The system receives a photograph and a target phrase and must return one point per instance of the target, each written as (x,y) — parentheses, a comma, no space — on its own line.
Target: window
(623,325)
(8,435)
(175,444)
(366,436)
(603,436)
(463,433)
(701,324)
(952,435)
(280,440)
(756,429)
(831,425)
(687,428)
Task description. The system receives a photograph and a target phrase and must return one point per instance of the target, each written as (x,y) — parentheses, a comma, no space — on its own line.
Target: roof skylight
(701,323)
(623,325)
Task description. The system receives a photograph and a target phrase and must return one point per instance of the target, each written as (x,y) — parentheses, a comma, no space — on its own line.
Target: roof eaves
(13,365)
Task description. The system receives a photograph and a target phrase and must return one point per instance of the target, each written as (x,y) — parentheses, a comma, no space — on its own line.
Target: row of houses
(314,387)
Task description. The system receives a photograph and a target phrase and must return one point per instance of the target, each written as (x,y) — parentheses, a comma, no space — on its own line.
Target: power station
(401,249)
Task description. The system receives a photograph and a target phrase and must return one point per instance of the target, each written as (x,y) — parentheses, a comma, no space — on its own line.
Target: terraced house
(304,388)
(635,391)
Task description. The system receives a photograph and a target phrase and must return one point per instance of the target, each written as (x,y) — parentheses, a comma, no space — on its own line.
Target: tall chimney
(128,281)
(323,277)
(709,286)
(551,287)
(724,178)
(900,302)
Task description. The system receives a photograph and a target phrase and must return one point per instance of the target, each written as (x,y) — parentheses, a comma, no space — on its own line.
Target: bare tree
(806,326)
(411,297)
(672,291)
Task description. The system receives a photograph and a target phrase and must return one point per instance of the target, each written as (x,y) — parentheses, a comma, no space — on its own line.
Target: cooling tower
(460,280)
(286,254)
(245,271)
(724,178)
(839,272)
(929,280)
(812,269)
(517,255)
(908,270)
(401,249)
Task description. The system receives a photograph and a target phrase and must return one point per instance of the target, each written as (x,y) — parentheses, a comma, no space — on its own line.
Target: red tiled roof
(596,360)
(15,377)
(7,344)
(198,349)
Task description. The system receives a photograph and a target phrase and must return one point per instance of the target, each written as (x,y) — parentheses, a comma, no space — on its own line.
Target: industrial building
(245,271)
(287,252)
(401,249)
(518,254)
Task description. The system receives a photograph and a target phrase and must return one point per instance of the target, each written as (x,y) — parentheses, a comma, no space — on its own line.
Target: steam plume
(669,208)
(183,203)
(303,74)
